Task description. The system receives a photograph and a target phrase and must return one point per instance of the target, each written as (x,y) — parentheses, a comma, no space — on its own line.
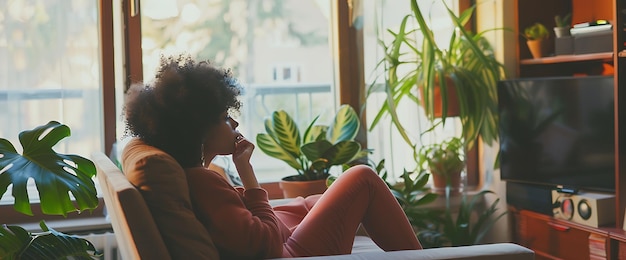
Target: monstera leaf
(55,175)
(17,243)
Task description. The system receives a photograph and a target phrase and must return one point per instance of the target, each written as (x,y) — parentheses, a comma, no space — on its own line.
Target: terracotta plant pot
(292,189)
(453,99)
(440,182)
(536,48)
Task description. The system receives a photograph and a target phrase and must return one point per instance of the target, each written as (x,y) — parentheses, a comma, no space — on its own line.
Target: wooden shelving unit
(602,57)
(560,239)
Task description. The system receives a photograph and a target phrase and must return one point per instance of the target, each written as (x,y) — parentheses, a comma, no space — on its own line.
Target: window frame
(348,48)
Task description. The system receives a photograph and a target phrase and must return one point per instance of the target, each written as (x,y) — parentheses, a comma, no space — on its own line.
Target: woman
(185,112)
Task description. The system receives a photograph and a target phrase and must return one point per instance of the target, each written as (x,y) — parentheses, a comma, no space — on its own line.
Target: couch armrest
(507,251)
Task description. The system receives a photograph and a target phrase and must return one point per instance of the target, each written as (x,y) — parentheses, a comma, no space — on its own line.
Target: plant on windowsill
(466,225)
(446,162)
(413,195)
(414,66)
(55,175)
(314,152)
(536,36)
(435,226)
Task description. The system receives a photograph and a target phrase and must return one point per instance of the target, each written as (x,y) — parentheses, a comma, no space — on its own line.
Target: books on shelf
(591,30)
(597,246)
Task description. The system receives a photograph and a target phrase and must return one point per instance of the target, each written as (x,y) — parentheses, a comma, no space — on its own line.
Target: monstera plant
(315,151)
(55,176)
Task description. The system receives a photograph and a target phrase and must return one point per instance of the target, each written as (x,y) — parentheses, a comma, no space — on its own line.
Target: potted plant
(448,225)
(562,25)
(466,224)
(446,162)
(56,175)
(313,152)
(536,34)
(467,66)
(413,195)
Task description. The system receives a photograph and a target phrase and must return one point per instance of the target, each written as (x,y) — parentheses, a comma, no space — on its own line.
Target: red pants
(326,224)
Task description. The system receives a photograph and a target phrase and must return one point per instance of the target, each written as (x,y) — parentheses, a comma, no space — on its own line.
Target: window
(279,50)
(50,70)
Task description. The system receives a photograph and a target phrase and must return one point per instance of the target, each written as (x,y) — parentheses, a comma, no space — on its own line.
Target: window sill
(455,200)
(73,223)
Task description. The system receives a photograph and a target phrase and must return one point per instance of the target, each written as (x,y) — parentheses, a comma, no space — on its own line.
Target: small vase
(561,31)
(536,48)
(440,182)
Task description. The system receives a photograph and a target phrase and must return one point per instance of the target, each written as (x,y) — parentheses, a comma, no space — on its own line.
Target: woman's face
(220,139)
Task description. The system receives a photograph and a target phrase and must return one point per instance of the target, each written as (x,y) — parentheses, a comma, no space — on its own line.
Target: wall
(497,14)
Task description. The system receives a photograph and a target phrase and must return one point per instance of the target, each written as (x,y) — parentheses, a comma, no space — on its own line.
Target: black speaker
(531,197)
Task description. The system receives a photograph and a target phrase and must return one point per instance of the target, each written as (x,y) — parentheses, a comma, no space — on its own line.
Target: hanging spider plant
(468,63)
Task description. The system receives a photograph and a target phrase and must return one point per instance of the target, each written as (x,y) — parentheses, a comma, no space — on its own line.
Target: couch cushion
(135,231)
(163,185)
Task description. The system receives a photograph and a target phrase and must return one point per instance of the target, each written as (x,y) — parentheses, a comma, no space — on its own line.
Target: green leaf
(52,244)
(426,199)
(286,132)
(343,152)
(55,175)
(268,145)
(315,133)
(17,243)
(345,126)
(317,149)
(12,240)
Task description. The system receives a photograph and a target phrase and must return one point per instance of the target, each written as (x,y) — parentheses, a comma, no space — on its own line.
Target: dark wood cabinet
(557,239)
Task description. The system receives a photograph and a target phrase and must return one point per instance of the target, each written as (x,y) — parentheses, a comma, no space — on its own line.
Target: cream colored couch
(141,236)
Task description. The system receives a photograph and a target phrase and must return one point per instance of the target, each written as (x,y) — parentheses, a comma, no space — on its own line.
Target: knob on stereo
(584,209)
(567,208)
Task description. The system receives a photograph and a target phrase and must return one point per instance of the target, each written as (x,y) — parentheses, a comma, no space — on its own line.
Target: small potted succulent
(445,161)
(536,36)
(313,152)
(562,25)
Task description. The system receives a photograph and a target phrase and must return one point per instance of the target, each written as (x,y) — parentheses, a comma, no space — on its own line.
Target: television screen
(558,131)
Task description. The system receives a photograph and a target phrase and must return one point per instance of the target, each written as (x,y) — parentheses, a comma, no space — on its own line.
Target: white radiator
(106,244)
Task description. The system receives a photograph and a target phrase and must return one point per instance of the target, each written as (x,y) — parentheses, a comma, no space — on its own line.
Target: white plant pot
(561,31)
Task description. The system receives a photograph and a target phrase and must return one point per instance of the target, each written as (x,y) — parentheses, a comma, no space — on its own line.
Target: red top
(241,223)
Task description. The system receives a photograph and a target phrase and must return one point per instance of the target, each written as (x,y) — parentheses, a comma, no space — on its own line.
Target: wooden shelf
(602,56)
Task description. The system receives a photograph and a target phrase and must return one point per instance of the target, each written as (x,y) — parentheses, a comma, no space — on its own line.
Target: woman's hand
(241,158)
(243,150)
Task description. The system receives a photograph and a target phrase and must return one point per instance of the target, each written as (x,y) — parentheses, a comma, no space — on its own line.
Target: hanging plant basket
(452,98)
